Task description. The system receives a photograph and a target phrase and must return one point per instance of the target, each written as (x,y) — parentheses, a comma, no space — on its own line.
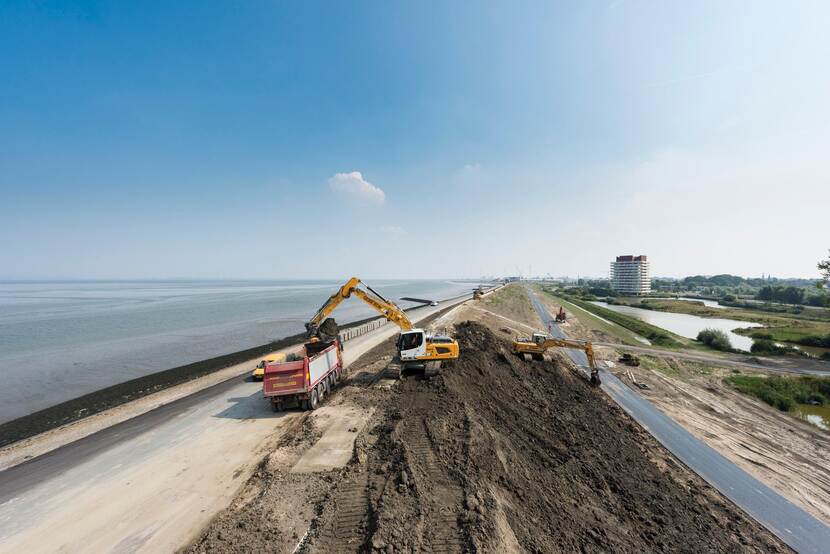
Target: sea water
(60,340)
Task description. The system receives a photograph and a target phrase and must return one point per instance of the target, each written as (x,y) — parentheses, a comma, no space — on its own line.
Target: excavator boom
(386,308)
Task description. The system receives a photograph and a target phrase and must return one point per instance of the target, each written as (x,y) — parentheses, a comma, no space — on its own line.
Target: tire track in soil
(347,530)
(441,517)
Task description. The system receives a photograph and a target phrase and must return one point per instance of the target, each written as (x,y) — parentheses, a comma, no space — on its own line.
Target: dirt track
(495,455)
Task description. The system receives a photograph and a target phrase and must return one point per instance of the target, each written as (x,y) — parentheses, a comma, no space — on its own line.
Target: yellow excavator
(416,348)
(535,347)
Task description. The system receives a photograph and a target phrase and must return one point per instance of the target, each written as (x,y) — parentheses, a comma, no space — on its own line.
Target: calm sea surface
(63,339)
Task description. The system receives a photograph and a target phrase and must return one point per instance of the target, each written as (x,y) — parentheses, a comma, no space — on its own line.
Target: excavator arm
(383,306)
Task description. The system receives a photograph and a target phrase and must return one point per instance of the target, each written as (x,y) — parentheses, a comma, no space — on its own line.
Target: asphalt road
(152,482)
(794,526)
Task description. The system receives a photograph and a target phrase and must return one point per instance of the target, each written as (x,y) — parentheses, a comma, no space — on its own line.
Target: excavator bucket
(328,329)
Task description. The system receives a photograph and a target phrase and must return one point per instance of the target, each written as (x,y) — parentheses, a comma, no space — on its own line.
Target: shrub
(715,338)
(767,346)
(775,399)
(763,346)
(784,393)
(814,340)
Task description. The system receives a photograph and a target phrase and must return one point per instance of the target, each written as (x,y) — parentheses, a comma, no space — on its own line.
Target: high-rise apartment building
(630,275)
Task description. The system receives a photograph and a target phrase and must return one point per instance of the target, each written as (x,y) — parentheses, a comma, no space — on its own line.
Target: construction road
(794,526)
(714,359)
(151,483)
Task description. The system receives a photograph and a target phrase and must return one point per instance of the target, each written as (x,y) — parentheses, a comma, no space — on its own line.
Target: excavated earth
(493,455)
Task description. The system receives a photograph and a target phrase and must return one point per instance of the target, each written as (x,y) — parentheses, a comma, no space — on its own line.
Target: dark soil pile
(494,455)
(497,454)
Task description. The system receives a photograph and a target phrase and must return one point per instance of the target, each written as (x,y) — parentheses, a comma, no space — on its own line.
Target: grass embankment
(593,321)
(784,393)
(513,303)
(808,328)
(656,335)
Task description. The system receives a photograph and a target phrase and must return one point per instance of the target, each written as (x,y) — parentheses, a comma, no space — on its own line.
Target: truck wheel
(314,401)
(276,406)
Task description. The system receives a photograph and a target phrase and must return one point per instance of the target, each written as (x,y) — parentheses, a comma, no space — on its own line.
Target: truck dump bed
(284,378)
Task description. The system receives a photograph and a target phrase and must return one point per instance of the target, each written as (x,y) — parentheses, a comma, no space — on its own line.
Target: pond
(687,325)
(816,415)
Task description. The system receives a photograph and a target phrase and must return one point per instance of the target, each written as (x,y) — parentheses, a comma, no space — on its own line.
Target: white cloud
(354,185)
(469,175)
(392,230)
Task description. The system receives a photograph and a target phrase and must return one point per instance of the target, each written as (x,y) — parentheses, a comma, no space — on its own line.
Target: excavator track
(441,518)
(347,531)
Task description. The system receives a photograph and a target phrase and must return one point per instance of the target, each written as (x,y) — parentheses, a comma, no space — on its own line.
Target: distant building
(630,275)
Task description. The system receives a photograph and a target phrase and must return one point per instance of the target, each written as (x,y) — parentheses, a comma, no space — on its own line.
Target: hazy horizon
(204,140)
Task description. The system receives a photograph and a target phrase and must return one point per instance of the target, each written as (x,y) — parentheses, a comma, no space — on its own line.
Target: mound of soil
(497,454)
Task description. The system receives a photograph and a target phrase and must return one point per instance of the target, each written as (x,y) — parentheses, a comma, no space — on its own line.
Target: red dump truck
(305,378)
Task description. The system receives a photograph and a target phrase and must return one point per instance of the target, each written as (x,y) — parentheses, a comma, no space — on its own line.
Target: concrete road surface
(794,526)
(152,482)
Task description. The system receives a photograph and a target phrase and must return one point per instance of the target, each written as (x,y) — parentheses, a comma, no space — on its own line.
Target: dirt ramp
(497,454)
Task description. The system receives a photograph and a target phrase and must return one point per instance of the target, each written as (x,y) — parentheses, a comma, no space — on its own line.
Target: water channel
(687,325)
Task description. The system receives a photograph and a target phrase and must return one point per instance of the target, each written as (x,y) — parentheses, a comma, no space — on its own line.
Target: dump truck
(305,378)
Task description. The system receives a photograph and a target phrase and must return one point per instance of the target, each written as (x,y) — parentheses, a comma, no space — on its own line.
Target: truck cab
(259,371)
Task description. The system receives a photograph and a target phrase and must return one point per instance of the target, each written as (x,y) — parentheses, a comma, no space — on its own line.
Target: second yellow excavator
(416,348)
(535,348)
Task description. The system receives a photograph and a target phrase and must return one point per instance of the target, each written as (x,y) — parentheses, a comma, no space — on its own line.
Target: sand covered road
(152,482)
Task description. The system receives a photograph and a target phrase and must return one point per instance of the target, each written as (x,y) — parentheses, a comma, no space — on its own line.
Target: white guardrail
(355,332)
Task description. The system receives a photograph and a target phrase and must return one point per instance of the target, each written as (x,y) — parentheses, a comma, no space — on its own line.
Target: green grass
(783,392)
(806,336)
(656,335)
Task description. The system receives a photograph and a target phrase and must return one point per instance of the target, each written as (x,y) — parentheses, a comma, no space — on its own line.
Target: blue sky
(279,140)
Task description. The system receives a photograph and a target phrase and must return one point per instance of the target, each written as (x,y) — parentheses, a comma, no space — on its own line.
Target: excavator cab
(539,338)
(412,344)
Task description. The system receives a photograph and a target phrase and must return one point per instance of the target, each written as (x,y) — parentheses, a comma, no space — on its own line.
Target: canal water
(707,303)
(687,325)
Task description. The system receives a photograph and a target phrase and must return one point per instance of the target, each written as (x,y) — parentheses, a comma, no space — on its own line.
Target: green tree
(824,267)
